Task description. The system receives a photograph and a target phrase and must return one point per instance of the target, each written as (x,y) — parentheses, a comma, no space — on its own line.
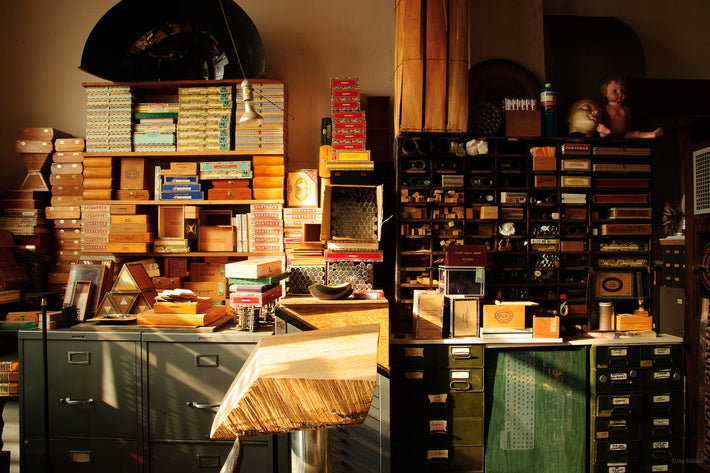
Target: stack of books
(254,282)
(181,307)
(9,375)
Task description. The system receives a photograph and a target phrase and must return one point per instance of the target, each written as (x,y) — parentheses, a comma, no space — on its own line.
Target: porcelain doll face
(615,92)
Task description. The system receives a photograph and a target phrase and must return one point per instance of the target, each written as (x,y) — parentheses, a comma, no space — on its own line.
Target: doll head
(614,89)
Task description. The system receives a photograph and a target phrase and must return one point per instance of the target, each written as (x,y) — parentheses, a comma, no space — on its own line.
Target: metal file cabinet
(637,396)
(438,416)
(133,400)
(185,377)
(94,401)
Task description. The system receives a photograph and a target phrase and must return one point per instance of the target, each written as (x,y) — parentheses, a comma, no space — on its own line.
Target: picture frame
(81,297)
(94,273)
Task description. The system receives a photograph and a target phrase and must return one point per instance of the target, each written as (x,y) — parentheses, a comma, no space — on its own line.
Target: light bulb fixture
(250,116)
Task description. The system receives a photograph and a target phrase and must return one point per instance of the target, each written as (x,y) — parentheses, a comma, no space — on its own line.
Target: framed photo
(93,273)
(465,316)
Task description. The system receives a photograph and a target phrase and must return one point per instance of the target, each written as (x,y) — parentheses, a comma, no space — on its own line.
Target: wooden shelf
(187,155)
(191,254)
(182,202)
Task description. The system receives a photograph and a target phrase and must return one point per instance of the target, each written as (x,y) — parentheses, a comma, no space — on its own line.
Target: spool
(606,316)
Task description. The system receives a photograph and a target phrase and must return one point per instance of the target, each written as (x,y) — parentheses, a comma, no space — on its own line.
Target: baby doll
(616,119)
(584,118)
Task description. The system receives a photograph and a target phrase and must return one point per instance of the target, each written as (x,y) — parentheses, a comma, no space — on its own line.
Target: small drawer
(665,403)
(662,356)
(615,451)
(615,357)
(615,429)
(619,405)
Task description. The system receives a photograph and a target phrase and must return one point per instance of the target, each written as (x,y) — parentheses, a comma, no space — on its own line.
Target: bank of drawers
(439,412)
(637,408)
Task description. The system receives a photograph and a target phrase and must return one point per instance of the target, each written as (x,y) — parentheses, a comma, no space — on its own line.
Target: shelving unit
(554,232)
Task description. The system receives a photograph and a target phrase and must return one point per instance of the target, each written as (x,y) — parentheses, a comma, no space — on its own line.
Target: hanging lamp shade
(150,40)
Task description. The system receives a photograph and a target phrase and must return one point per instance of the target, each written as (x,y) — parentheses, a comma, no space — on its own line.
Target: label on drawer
(661,445)
(620,401)
(460,374)
(617,424)
(437,398)
(417,352)
(618,447)
(434,454)
(661,422)
(661,398)
(618,352)
(413,375)
(616,468)
(662,351)
(664,375)
(461,352)
(437,425)
(617,377)
(659,468)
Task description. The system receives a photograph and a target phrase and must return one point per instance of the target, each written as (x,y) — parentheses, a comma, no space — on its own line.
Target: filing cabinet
(637,395)
(439,415)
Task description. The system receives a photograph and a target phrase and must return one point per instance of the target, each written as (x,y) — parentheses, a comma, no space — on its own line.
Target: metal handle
(460,386)
(199,405)
(75,402)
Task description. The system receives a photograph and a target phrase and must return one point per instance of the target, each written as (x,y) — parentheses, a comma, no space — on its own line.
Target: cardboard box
(133,175)
(522,123)
(546,327)
(505,314)
(215,238)
(428,320)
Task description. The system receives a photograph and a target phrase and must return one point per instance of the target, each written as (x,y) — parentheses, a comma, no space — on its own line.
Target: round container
(606,315)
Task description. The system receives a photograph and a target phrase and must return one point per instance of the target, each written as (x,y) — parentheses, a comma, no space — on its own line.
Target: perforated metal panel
(300,277)
(354,213)
(519,432)
(359,274)
(701,178)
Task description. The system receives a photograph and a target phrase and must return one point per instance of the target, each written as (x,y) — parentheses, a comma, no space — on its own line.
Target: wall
(305,42)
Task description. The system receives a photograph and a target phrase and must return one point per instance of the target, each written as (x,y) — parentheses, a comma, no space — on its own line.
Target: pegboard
(519,431)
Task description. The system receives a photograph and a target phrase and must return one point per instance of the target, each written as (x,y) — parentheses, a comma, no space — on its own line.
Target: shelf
(181,202)
(190,254)
(188,155)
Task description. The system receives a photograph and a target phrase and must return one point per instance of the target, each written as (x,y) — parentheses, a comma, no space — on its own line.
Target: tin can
(606,316)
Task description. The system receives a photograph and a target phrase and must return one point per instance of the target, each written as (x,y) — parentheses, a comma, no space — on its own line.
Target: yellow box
(489,212)
(213,289)
(504,315)
(633,322)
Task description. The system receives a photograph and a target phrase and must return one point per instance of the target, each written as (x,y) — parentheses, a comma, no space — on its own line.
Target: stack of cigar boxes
(66,179)
(230,179)
(205,118)
(98,178)
(270,137)
(154,126)
(179,182)
(129,231)
(133,181)
(108,118)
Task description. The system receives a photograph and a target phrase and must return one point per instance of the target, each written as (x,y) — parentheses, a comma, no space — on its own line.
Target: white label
(437,426)
(618,447)
(662,422)
(616,468)
(618,424)
(662,375)
(618,352)
(460,375)
(620,401)
(461,351)
(661,398)
(659,468)
(662,351)
(661,445)
(414,352)
(437,398)
(618,376)
(414,375)
(431,454)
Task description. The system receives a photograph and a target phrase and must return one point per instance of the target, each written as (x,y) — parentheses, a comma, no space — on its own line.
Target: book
(9,389)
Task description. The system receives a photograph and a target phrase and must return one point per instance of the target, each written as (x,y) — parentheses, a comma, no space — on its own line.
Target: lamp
(250,116)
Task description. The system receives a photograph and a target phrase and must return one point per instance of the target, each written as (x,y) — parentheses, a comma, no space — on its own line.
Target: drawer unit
(82,455)
(439,414)
(209,456)
(637,414)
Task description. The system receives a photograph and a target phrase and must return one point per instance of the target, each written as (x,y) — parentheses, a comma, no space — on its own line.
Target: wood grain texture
(302,381)
(412,66)
(436,59)
(457,83)
(398,55)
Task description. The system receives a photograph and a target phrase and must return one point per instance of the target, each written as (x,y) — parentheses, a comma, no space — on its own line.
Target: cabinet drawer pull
(460,386)
(199,405)
(75,402)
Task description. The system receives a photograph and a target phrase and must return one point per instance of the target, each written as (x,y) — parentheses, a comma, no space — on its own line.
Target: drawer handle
(460,386)
(75,402)
(199,405)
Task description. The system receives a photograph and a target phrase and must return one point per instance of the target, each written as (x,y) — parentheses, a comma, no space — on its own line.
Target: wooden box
(615,285)
(204,272)
(215,290)
(544,163)
(133,175)
(543,180)
(489,212)
(216,238)
(428,322)
(132,194)
(172,218)
(505,315)
(465,255)
(546,327)
(522,123)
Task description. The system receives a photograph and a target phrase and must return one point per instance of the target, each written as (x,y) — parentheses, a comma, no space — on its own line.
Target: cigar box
(41,133)
(66,179)
(504,315)
(97,162)
(543,180)
(615,285)
(69,144)
(123,209)
(216,238)
(216,290)
(34,146)
(204,272)
(268,160)
(98,183)
(67,223)
(127,247)
(66,168)
(67,244)
(268,182)
(428,314)
(145,237)
(229,194)
(571,245)
(97,194)
(62,212)
(136,227)
(575,181)
(269,171)
(544,163)
(575,213)
(626,322)
(135,218)
(620,198)
(163,283)
(522,123)
(465,255)
(68,190)
(578,164)
(268,194)
(125,194)
(97,173)
(133,173)
(66,233)
(489,212)
(230,183)
(172,220)
(176,268)
(464,316)
(546,327)
(68,157)
(626,229)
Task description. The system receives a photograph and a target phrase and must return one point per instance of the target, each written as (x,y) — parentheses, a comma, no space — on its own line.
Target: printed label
(618,352)
(460,375)
(620,401)
(618,447)
(414,352)
(661,398)
(662,351)
(434,454)
(618,377)
(662,422)
(662,375)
